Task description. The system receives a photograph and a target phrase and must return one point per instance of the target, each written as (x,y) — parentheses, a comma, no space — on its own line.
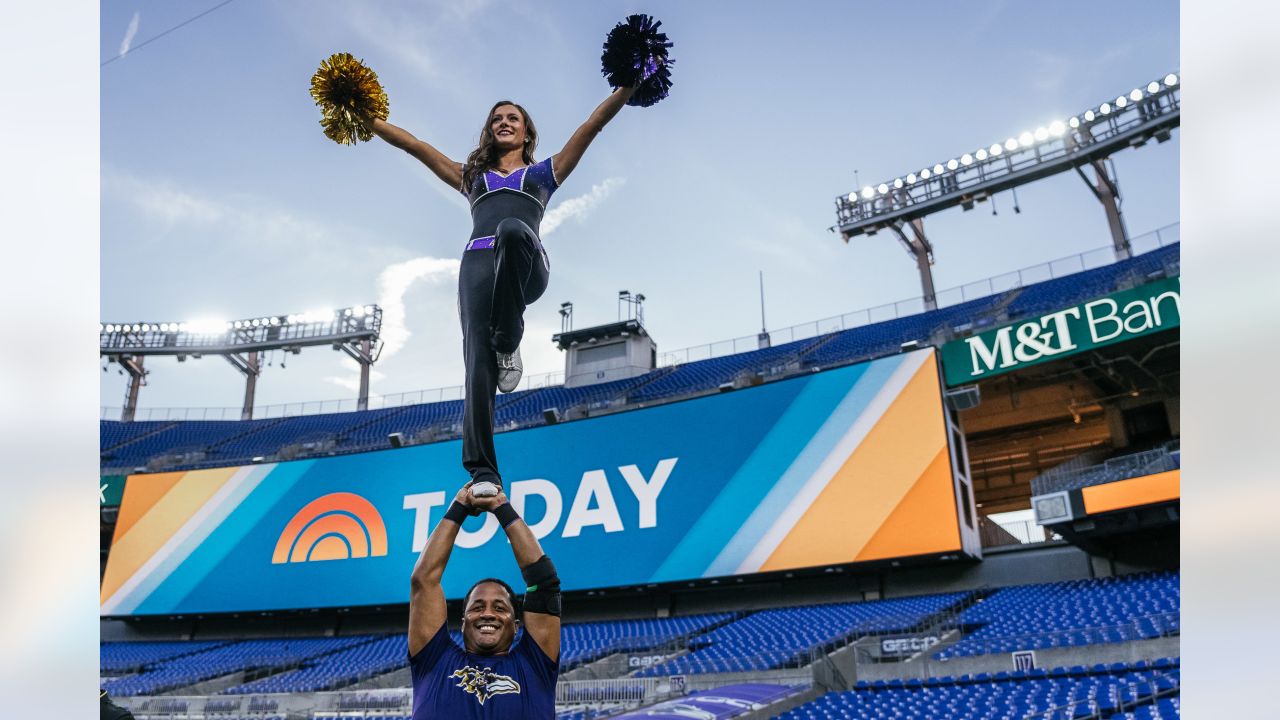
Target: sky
(222,198)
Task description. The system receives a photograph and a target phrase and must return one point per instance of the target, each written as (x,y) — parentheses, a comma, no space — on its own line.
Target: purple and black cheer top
(522,195)
(449,682)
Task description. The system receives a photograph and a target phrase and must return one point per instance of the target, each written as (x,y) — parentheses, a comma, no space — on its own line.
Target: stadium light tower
(900,204)
(353,330)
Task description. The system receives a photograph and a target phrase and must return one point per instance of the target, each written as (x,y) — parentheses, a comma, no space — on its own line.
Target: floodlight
(981,154)
(966,159)
(924,174)
(996,149)
(911,178)
(368,309)
(898,183)
(1057,128)
(883,188)
(275,321)
(1121,101)
(1042,134)
(347,312)
(1105,109)
(101,328)
(1170,80)
(853,196)
(1089,116)
(1074,122)
(1153,87)
(316,316)
(867,192)
(1026,138)
(952,164)
(207,326)
(1011,144)
(1135,95)
(937,169)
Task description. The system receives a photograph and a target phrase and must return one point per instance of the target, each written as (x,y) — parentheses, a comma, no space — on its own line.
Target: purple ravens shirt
(449,682)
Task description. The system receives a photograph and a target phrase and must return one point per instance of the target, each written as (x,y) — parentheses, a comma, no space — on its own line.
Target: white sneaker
(485,489)
(509,370)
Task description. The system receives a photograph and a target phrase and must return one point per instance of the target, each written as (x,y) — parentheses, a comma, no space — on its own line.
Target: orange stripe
(1160,487)
(158,523)
(873,480)
(141,492)
(924,522)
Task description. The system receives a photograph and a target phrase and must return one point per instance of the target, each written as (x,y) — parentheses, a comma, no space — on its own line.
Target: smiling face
(488,620)
(508,126)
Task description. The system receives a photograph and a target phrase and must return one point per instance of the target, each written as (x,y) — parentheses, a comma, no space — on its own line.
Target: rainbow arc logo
(338,526)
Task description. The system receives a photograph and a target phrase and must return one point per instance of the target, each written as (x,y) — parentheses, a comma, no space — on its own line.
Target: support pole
(362,353)
(132,364)
(1105,188)
(363,402)
(250,366)
(918,247)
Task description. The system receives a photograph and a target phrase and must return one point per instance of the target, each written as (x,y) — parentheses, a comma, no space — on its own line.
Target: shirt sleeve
(551,173)
(532,656)
(440,645)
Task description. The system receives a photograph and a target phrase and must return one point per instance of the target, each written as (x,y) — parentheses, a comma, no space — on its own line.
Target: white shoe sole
(484,489)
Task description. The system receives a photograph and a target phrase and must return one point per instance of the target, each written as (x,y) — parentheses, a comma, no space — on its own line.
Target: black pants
(494,287)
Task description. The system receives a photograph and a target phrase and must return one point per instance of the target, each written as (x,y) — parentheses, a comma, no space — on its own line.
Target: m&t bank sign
(1105,321)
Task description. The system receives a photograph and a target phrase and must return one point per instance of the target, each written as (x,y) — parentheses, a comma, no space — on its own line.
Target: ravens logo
(484,683)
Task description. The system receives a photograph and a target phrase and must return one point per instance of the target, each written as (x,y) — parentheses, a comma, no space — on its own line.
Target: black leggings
(494,287)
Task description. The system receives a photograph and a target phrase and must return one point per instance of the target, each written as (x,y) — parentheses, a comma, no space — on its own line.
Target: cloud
(580,206)
(129,33)
(241,219)
(395,280)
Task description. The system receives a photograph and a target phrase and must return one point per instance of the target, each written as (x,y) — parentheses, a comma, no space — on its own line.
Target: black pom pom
(636,51)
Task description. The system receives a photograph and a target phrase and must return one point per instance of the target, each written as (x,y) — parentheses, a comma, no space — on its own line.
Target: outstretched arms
(427,609)
(444,168)
(542,626)
(563,162)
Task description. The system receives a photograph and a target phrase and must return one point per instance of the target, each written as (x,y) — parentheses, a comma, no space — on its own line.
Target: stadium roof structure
(353,330)
(1129,120)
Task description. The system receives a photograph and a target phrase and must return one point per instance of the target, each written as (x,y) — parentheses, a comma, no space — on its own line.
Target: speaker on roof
(966,397)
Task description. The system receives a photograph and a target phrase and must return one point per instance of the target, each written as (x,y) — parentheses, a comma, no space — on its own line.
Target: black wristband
(457,512)
(506,514)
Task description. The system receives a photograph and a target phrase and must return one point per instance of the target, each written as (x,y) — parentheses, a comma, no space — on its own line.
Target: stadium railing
(994,285)
(1077,475)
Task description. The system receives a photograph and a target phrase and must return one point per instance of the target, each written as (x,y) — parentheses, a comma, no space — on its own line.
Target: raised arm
(542,595)
(563,162)
(427,608)
(444,168)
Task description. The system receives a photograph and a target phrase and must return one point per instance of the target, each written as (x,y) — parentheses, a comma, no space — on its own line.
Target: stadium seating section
(1067,614)
(1118,691)
(190,444)
(1064,614)
(786,637)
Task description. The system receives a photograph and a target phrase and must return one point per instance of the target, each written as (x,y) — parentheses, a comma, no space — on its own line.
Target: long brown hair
(485,157)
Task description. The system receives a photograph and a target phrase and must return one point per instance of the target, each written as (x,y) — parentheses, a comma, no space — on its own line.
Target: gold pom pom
(343,87)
